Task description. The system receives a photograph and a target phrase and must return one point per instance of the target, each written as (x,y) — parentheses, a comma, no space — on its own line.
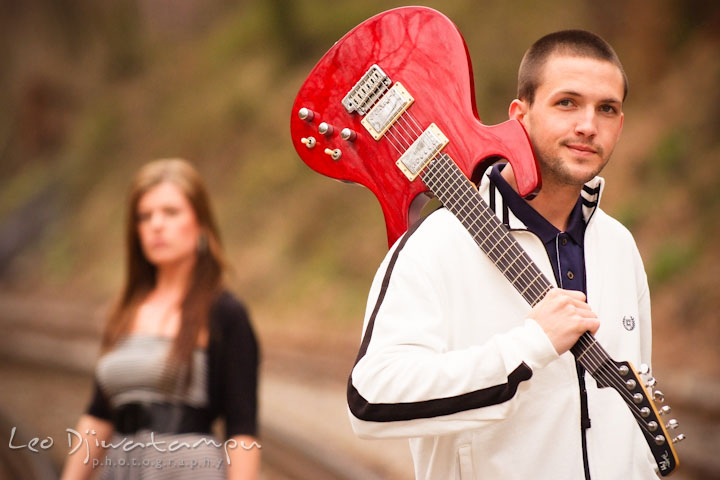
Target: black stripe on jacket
(390,412)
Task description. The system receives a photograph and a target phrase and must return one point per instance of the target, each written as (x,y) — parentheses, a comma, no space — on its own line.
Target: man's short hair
(578,43)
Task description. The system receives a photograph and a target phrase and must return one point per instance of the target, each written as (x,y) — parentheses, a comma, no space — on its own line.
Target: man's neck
(554,202)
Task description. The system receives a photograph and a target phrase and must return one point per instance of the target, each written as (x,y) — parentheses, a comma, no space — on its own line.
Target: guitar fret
(538,277)
(455,191)
(585,350)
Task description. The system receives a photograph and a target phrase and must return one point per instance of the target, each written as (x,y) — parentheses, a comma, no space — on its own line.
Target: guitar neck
(458,194)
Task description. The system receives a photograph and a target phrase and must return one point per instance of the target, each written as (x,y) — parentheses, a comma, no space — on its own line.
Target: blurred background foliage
(91,90)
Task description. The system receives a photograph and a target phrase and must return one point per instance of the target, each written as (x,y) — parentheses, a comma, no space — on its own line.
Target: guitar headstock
(642,397)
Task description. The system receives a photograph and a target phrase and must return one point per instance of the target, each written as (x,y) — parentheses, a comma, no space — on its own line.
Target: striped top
(136,370)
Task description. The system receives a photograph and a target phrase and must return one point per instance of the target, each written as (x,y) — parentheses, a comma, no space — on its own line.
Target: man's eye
(608,109)
(565,102)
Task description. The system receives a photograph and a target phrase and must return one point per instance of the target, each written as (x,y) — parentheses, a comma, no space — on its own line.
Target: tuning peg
(672,424)
(650,382)
(679,438)
(665,410)
(658,396)
(644,369)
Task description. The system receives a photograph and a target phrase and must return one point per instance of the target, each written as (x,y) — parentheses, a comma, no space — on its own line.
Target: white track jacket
(450,359)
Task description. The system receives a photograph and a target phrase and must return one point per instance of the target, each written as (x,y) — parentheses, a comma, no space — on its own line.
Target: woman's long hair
(206,278)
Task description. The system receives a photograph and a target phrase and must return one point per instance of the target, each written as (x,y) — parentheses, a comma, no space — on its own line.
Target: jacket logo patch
(629,322)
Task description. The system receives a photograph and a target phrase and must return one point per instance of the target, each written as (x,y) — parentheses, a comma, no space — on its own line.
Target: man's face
(575,119)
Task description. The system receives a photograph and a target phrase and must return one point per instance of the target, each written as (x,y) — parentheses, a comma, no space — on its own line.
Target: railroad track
(48,351)
(304,429)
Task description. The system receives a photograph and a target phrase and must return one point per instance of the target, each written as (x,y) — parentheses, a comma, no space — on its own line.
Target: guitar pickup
(387,110)
(424,149)
(367,90)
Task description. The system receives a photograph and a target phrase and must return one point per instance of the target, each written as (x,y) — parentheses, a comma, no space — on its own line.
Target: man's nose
(586,122)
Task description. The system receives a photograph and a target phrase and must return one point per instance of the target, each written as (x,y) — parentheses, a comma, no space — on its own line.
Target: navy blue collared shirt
(565,249)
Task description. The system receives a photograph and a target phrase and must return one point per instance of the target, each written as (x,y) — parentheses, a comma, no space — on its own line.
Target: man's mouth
(581,147)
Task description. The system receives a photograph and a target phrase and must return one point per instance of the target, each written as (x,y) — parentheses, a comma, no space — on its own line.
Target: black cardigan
(233,357)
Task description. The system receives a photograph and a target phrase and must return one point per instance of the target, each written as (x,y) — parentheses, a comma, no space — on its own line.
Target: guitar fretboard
(459,195)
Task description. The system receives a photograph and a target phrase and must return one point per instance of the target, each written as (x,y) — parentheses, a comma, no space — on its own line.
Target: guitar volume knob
(306,114)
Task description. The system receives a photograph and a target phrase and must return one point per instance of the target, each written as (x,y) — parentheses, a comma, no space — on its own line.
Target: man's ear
(517,110)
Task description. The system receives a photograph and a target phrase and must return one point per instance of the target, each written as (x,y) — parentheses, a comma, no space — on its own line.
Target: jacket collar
(589,200)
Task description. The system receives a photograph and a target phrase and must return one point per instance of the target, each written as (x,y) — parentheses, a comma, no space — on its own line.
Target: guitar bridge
(366,91)
(424,149)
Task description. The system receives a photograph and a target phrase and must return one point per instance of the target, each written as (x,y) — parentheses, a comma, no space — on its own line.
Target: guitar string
(401,120)
(597,364)
(595,361)
(511,271)
(493,229)
(600,367)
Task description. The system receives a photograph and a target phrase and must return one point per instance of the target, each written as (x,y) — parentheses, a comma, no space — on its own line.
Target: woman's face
(167,226)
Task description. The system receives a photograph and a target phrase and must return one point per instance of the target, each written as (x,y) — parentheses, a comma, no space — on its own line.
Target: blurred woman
(178,351)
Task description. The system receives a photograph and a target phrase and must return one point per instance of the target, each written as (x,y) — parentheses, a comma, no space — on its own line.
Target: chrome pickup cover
(424,149)
(387,110)
(366,91)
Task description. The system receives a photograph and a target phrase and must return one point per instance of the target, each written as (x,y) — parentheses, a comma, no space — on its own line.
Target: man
(453,358)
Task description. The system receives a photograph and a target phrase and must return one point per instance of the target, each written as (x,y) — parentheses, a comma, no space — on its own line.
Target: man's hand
(564,316)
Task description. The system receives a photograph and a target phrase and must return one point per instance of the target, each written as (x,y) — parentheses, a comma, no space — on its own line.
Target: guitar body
(423,50)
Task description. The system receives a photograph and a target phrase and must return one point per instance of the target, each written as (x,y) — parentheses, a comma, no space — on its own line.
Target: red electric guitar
(391,106)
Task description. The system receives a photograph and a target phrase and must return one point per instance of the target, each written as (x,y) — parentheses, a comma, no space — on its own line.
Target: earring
(202,244)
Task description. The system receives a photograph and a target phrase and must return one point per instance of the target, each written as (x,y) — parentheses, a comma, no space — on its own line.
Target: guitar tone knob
(348,134)
(325,129)
(306,114)
(679,438)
